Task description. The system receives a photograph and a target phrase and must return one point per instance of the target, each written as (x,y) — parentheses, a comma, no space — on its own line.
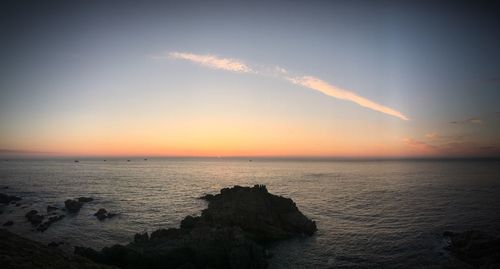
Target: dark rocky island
(230,233)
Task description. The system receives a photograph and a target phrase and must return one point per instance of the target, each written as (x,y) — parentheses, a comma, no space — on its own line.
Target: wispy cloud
(333,91)
(310,82)
(21,152)
(453,145)
(470,120)
(212,61)
(435,137)
(480,119)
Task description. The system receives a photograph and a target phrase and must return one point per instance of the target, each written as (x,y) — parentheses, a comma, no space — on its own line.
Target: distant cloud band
(309,82)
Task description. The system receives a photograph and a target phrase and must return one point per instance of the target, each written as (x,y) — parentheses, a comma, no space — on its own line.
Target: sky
(250,78)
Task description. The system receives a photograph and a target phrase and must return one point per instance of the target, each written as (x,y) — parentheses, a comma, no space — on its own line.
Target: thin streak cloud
(213,62)
(333,91)
(309,82)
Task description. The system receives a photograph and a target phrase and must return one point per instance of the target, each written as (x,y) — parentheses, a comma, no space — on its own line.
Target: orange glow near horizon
(229,136)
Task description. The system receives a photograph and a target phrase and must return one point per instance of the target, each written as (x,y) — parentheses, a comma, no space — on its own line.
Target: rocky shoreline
(232,232)
(17,252)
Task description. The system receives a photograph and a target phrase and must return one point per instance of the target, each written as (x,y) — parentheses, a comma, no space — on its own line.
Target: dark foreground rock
(21,253)
(473,249)
(205,247)
(228,234)
(5,199)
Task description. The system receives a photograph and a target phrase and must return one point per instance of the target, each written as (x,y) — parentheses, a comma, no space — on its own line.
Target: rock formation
(102,214)
(51,208)
(45,225)
(33,217)
(21,253)
(5,199)
(85,199)
(261,215)
(226,235)
(473,249)
(74,205)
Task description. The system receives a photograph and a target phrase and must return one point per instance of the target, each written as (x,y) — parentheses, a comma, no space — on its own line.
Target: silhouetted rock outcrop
(226,235)
(261,215)
(207,197)
(5,199)
(8,223)
(473,249)
(21,253)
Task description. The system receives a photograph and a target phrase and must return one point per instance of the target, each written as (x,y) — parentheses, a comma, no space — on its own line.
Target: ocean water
(370,214)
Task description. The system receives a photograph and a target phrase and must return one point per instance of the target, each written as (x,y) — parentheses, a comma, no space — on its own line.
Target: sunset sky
(188,78)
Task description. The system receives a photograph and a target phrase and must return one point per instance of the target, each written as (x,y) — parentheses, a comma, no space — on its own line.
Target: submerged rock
(102,214)
(21,253)
(33,217)
(473,249)
(85,199)
(51,208)
(6,199)
(73,206)
(44,226)
(226,235)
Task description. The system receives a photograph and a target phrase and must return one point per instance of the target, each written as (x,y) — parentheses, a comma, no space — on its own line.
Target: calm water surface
(370,214)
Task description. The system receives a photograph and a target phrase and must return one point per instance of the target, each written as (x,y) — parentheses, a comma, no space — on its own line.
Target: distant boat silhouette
(128,160)
(77,161)
(250,160)
(146,159)
(103,160)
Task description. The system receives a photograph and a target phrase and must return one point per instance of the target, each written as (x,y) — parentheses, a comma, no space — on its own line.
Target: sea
(369,213)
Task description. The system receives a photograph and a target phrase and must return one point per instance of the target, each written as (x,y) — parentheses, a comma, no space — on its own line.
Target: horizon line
(276,157)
